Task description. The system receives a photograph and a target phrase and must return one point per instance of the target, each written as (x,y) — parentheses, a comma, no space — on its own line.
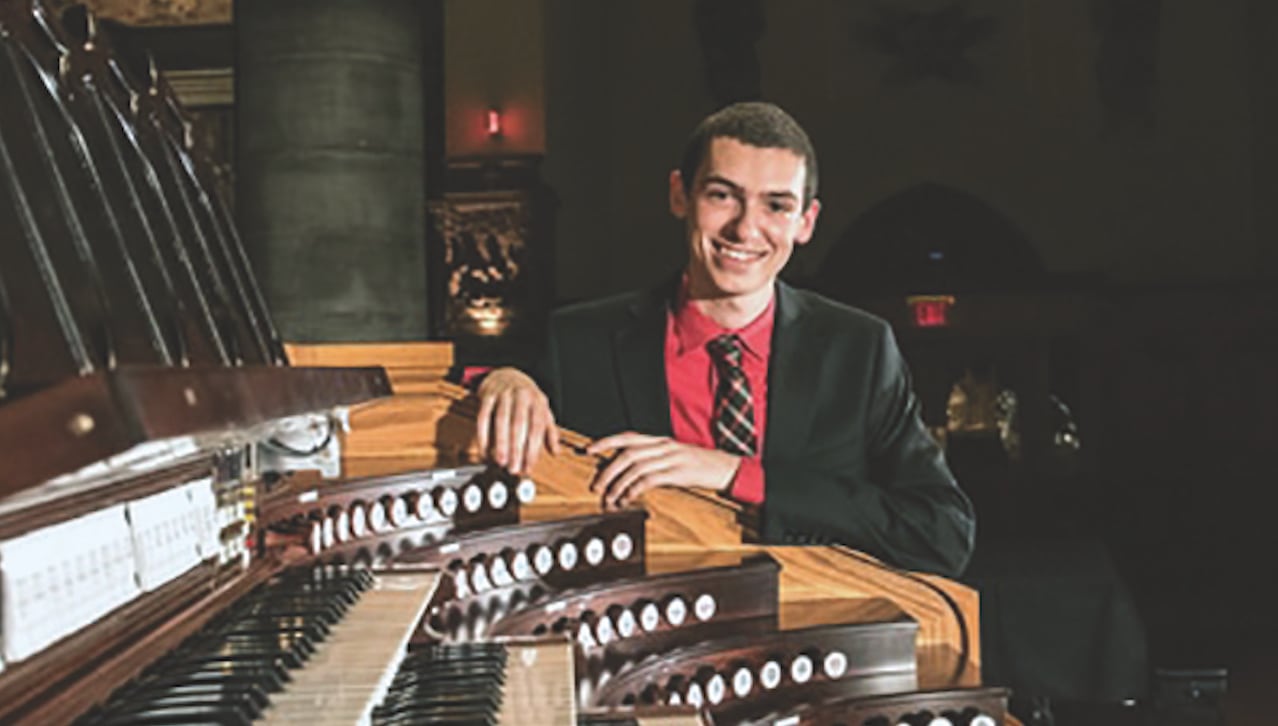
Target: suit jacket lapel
(639,347)
(792,374)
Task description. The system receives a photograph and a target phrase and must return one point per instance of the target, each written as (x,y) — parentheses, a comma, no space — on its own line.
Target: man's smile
(737,253)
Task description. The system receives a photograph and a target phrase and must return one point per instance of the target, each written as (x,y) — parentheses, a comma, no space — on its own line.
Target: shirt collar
(693,329)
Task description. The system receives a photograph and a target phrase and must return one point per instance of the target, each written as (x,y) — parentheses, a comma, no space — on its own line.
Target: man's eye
(716,194)
(781,207)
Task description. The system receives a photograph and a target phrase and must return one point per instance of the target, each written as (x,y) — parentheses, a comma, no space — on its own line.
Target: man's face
(743,214)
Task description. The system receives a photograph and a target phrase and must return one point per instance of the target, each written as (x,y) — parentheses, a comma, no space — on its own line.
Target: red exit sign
(930,311)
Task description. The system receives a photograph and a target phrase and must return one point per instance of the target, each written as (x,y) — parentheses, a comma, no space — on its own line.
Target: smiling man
(726,379)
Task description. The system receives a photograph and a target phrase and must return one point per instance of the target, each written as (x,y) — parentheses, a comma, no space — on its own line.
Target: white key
(594,551)
(940,721)
(742,682)
(704,607)
(328,533)
(982,720)
(674,699)
(695,697)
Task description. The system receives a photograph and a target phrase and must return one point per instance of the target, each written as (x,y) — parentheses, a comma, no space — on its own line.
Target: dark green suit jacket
(846,458)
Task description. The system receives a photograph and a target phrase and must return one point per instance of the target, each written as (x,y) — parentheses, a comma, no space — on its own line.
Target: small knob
(446,501)
(472,498)
(801,669)
(770,674)
(676,610)
(359,520)
(498,495)
(622,547)
(526,491)
(742,681)
(704,607)
(649,616)
(595,551)
(543,560)
(521,567)
(479,577)
(567,555)
(626,623)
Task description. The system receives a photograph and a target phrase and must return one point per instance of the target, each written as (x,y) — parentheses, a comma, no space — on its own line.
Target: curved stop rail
(431,423)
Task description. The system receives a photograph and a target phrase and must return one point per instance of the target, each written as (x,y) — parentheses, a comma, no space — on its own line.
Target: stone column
(330,177)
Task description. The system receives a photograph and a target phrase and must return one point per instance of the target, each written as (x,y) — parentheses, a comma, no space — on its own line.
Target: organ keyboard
(152,572)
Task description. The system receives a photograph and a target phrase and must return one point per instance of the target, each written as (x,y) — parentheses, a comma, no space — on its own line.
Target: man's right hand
(515,423)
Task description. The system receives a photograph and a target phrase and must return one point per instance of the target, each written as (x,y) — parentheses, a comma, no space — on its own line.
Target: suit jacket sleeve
(875,481)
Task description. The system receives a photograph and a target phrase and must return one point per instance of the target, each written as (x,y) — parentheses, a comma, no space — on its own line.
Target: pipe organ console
(151,572)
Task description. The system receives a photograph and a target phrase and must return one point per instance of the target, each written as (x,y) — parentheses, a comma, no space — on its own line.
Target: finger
(611,471)
(536,439)
(617,489)
(627,458)
(637,490)
(501,431)
(519,432)
(638,481)
(621,441)
(552,435)
(484,421)
(652,471)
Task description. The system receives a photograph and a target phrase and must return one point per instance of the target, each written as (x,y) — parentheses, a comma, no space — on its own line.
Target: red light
(492,123)
(930,311)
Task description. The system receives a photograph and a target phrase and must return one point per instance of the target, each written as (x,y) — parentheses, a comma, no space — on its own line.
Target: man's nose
(748,223)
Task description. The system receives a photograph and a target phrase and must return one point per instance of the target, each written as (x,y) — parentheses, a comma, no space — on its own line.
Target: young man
(729,380)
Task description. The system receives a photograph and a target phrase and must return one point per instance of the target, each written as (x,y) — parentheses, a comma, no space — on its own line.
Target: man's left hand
(651,461)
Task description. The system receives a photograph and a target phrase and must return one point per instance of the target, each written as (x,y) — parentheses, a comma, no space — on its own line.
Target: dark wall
(1120,137)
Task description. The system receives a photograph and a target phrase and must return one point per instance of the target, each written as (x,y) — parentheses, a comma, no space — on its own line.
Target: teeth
(737,254)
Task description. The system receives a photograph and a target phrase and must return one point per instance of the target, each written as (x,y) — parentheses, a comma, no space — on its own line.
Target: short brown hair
(754,123)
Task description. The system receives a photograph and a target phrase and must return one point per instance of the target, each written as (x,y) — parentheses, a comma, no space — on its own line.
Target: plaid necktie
(733,406)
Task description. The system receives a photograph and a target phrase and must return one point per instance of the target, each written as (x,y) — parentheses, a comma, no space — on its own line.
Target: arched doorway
(929,238)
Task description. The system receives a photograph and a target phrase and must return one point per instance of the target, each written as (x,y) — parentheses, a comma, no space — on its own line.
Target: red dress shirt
(691,378)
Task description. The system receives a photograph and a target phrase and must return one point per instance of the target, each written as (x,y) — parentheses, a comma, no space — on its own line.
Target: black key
(210,715)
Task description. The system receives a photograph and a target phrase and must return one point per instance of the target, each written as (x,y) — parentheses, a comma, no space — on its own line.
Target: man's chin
(730,288)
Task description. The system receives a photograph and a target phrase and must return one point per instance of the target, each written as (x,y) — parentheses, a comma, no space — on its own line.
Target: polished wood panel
(412,367)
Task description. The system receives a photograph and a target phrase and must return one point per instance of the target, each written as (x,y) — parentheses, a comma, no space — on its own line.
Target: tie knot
(726,349)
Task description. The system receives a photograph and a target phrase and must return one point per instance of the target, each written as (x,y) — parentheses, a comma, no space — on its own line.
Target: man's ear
(809,223)
(678,196)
